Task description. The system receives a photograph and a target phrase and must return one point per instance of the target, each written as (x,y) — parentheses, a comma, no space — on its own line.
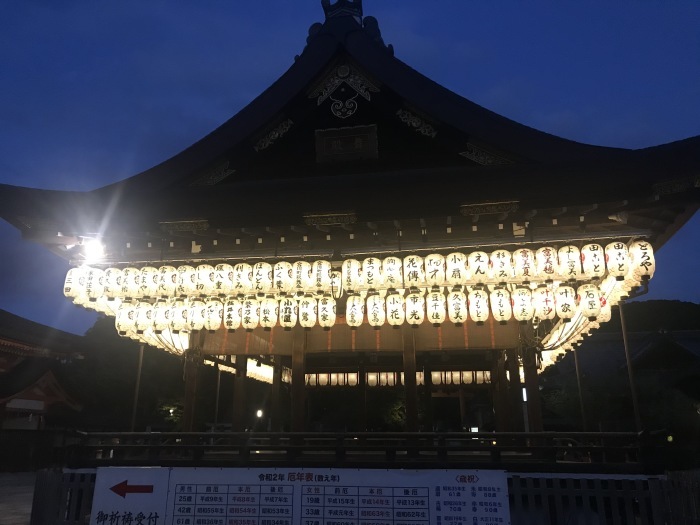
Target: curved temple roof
(351,139)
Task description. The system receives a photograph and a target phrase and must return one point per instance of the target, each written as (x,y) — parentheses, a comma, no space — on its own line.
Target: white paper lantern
(371,273)
(130,282)
(233,313)
(593,261)
(125,320)
(642,260)
(456,273)
(196,314)
(413,272)
(302,278)
(308,310)
(167,281)
(288,313)
(436,308)
(543,302)
(206,280)
(392,273)
(524,264)
(352,275)
(144,316)
(501,307)
(113,282)
(74,284)
(250,314)
(478,305)
(478,267)
(501,266)
(546,263)
(457,307)
(565,303)
(186,281)
(148,282)
(336,284)
(617,260)
(162,316)
(605,313)
(372,378)
(242,279)
(94,283)
(262,278)
(376,315)
(589,301)
(523,310)
(107,306)
(395,309)
(569,263)
(415,309)
(321,276)
(214,314)
(223,280)
(435,270)
(178,320)
(283,279)
(354,311)
(326,312)
(268,313)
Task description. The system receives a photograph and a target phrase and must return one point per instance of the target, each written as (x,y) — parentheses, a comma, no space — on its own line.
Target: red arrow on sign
(123,488)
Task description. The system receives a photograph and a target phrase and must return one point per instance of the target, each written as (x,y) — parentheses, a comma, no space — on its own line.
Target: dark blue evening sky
(94,92)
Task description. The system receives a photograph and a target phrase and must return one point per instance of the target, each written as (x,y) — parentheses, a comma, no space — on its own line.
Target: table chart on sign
(275,496)
(205,504)
(366,505)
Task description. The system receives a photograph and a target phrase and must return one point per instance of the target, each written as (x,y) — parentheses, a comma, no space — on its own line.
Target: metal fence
(515,451)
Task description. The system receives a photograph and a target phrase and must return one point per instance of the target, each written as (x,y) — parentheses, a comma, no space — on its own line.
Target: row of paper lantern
(568,263)
(435,307)
(373,379)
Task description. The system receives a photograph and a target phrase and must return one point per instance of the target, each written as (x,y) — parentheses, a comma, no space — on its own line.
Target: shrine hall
(359,226)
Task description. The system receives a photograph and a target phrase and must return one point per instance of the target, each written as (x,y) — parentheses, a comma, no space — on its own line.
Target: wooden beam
(428,386)
(532,388)
(410,389)
(298,381)
(276,423)
(515,392)
(362,395)
(499,391)
(192,361)
(240,410)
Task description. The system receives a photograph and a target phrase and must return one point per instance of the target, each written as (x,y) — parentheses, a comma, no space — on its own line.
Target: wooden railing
(542,451)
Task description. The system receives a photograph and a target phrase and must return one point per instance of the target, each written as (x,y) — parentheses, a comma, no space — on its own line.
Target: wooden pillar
(532,389)
(193,359)
(515,392)
(409,374)
(463,423)
(362,395)
(428,386)
(298,381)
(275,394)
(499,391)
(241,417)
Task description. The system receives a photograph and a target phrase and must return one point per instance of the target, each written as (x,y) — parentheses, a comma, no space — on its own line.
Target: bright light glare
(93,250)
(259,413)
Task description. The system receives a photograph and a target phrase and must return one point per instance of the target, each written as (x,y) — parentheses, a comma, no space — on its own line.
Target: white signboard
(323,496)
(133,496)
